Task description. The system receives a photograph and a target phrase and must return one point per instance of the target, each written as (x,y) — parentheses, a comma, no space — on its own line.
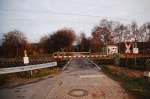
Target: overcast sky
(38,17)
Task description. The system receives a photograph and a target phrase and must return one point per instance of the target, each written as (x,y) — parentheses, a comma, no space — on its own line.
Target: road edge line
(94,64)
(66,64)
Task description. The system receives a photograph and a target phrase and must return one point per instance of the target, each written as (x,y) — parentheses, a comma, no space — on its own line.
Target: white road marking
(91,76)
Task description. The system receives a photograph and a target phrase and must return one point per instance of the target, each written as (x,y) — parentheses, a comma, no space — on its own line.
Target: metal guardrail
(27,68)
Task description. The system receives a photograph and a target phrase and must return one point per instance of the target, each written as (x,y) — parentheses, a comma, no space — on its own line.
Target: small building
(111,49)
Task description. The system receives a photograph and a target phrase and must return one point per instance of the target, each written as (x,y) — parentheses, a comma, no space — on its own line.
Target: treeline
(106,32)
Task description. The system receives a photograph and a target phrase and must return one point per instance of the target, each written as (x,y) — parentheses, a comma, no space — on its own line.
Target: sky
(36,18)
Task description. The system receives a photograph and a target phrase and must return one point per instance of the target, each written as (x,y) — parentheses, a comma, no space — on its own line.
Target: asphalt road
(80,80)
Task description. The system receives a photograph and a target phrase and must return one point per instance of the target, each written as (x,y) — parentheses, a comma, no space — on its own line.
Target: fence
(13,62)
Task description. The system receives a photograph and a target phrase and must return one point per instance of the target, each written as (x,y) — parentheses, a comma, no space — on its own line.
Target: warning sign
(128,46)
(26,60)
(135,50)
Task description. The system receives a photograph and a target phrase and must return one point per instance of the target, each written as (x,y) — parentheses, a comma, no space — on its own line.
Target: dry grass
(17,79)
(131,80)
(128,72)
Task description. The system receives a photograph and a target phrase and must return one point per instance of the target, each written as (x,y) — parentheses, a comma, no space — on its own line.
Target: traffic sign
(26,60)
(128,46)
(135,50)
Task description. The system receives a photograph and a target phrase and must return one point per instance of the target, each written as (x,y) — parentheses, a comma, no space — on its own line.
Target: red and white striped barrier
(80,56)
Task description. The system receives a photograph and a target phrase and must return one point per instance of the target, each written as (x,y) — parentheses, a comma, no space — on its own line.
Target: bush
(142,63)
(147,63)
(104,61)
(116,59)
(130,63)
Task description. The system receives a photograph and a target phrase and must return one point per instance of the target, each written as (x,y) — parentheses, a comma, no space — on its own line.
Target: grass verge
(21,78)
(138,86)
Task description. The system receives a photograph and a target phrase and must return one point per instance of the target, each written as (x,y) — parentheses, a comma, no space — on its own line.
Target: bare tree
(145,32)
(135,31)
(59,40)
(45,44)
(85,43)
(62,39)
(102,35)
(14,43)
(118,33)
(96,44)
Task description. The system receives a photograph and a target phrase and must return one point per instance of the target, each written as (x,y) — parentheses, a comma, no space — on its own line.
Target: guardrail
(27,68)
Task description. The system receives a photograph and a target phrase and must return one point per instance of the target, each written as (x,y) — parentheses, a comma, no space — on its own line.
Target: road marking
(91,76)
(94,64)
(66,65)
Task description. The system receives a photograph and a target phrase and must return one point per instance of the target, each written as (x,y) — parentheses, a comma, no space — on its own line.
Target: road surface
(80,80)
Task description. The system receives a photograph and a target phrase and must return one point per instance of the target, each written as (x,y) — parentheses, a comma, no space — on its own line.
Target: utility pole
(135,46)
